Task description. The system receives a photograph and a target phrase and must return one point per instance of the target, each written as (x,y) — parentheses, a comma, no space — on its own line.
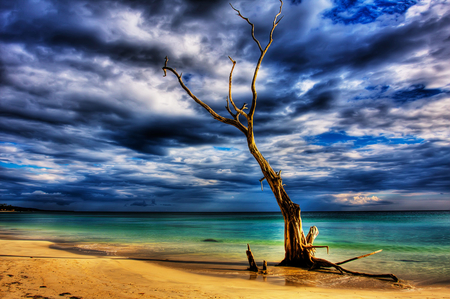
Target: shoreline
(238,269)
(33,268)
(220,266)
(291,276)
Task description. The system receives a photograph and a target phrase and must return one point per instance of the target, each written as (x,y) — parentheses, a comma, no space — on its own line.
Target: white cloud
(356,199)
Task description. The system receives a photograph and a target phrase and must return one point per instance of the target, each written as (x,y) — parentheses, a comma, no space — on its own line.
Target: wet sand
(31,269)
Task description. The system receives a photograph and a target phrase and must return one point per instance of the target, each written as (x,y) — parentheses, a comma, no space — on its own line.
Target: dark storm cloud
(60,27)
(420,166)
(352,101)
(81,39)
(190,9)
(361,52)
(154,136)
(319,98)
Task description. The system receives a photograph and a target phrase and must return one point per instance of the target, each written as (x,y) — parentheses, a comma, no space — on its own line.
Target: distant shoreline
(10,208)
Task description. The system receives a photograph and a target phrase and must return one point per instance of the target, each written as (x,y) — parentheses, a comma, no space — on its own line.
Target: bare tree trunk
(296,251)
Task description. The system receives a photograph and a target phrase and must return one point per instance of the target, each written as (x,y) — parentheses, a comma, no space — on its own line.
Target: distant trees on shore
(9,208)
(4,207)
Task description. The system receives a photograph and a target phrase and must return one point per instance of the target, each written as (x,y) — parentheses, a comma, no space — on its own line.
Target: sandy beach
(31,269)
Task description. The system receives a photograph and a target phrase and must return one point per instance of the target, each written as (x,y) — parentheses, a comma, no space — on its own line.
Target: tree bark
(296,251)
(251,260)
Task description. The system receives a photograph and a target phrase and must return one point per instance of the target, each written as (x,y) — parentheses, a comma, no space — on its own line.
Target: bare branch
(213,113)
(239,111)
(275,22)
(251,24)
(261,181)
(230,81)
(165,65)
(258,65)
(327,264)
(358,257)
(279,20)
(229,110)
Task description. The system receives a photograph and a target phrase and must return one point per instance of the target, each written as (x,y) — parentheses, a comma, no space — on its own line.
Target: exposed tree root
(318,263)
(321,263)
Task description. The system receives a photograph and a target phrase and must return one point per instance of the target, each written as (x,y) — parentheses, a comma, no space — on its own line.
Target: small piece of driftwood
(251,260)
(264,268)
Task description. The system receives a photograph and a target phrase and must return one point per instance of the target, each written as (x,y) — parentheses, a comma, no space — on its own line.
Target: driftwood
(252,264)
(312,234)
(310,237)
(358,257)
(251,260)
(321,263)
(318,263)
(264,269)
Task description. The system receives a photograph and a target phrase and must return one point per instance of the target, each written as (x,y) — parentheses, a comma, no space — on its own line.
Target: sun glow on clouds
(356,199)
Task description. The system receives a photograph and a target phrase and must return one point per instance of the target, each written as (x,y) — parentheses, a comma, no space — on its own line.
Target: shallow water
(415,245)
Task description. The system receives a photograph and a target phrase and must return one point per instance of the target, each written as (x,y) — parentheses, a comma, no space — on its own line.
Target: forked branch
(234,115)
(251,24)
(239,111)
(258,65)
(213,113)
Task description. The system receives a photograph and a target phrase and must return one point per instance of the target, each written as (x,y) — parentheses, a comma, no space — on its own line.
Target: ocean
(415,244)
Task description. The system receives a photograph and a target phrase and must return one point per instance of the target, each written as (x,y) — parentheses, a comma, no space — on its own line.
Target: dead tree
(299,249)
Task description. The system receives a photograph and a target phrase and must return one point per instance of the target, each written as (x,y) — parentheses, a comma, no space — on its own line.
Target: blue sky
(353,105)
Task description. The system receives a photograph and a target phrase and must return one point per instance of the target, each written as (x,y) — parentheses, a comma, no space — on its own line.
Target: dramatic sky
(353,104)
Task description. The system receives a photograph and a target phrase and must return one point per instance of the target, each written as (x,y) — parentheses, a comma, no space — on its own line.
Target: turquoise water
(416,245)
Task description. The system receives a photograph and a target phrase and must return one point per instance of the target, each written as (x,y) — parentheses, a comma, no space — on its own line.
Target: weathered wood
(358,257)
(321,263)
(312,235)
(264,268)
(251,260)
(313,250)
